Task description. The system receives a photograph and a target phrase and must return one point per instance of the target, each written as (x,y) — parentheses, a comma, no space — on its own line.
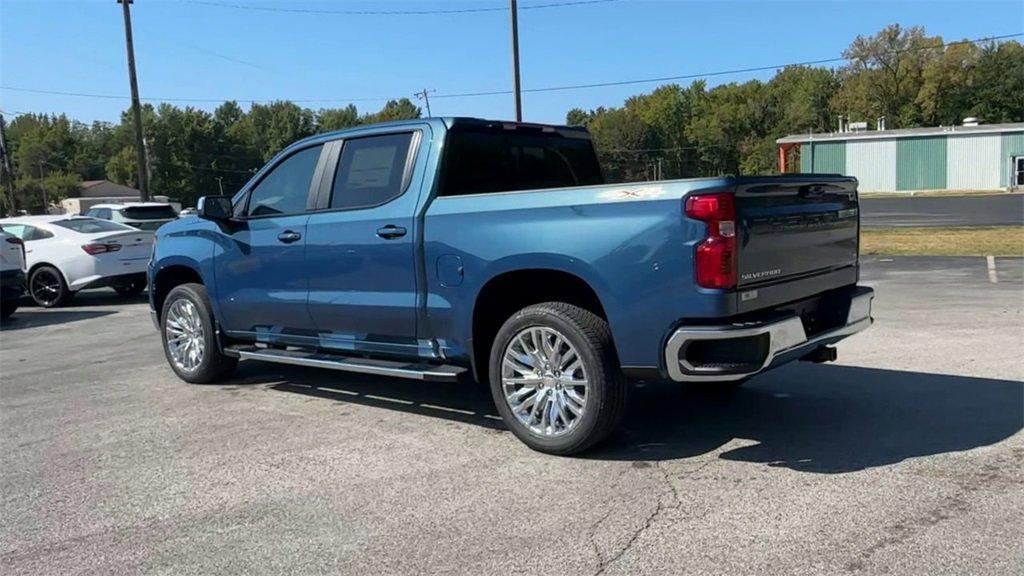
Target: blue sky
(200,50)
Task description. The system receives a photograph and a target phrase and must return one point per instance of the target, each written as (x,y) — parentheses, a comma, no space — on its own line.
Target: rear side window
(149,212)
(26,232)
(286,189)
(371,171)
(92,225)
(484,160)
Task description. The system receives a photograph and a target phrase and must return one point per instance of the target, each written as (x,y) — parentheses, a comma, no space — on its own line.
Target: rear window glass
(91,225)
(149,212)
(483,160)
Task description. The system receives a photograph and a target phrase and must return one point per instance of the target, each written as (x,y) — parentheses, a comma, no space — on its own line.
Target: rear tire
(188,332)
(575,346)
(47,287)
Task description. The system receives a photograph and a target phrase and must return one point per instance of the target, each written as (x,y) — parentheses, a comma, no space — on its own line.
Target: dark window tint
(485,159)
(149,212)
(286,188)
(92,225)
(370,171)
(26,232)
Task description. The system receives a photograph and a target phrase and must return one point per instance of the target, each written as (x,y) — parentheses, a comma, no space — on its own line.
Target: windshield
(91,225)
(149,212)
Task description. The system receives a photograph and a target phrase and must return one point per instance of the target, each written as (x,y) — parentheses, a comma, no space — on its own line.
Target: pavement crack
(668,499)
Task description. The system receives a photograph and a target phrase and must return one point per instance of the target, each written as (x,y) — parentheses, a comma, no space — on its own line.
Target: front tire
(189,336)
(555,378)
(47,287)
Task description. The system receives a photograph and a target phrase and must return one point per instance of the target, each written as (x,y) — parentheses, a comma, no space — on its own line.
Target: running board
(421,371)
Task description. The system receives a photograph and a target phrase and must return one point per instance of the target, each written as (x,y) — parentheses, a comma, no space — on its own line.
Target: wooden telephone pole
(140,145)
(514,9)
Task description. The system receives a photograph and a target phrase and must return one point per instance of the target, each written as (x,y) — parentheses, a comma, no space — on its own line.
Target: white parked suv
(141,215)
(65,254)
(12,273)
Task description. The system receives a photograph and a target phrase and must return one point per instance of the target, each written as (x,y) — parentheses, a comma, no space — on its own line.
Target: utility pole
(514,9)
(42,186)
(220,184)
(426,98)
(140,146)
(7,167)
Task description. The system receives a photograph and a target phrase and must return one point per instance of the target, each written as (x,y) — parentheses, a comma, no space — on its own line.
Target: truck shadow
(824,419)
(34,318)
(810,418)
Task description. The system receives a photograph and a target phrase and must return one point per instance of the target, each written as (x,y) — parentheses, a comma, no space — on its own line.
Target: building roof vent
(858,126)
(971,121)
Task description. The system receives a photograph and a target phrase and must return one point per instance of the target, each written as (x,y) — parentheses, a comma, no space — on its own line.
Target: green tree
(402,109)
(337,118)
(997,91)
(885,74)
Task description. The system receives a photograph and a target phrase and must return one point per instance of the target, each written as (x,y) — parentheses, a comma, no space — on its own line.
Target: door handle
(391,231)
(289,236)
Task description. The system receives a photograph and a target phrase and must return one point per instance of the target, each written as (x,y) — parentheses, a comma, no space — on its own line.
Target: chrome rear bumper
(787,341)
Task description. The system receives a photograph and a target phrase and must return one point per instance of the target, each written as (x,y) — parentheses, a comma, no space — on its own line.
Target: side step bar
(421,371)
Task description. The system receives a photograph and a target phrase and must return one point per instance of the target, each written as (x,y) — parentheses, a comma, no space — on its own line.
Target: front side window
(371,171)
(286,189)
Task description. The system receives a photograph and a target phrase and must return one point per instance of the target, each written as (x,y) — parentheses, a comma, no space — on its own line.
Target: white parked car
(141,215)
(12,273)
(65,254)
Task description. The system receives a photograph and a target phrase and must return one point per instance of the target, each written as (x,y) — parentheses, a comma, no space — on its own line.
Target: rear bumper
(769,343)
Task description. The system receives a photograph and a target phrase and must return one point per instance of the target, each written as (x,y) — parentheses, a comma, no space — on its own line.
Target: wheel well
(167,278)
(505,294)
(39,265)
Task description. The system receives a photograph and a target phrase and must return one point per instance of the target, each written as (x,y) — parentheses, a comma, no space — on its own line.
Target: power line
(397,12)
(506,92)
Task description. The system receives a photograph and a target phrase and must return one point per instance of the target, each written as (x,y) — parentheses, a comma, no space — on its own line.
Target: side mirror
(214,207)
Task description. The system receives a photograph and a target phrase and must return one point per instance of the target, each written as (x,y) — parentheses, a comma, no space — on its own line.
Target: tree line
(901,74)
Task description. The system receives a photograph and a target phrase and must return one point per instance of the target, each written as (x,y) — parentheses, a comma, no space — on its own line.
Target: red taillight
(715,258)
(94,249)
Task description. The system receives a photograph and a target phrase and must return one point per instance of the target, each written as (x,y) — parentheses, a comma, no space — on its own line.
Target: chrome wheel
(183,330)
(544,381)
(46,287)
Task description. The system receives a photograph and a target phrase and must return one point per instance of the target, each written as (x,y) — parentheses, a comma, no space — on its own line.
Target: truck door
(361,245)
(260,265)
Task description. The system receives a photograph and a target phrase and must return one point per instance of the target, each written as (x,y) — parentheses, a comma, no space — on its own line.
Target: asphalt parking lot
(906,457)
(943,211)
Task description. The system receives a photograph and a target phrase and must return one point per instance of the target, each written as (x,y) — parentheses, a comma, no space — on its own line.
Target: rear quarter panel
(630,243)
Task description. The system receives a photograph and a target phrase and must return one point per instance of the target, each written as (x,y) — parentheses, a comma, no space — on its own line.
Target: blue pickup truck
(442,249)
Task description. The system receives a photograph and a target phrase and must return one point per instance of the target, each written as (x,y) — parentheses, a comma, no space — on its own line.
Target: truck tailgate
(792,227)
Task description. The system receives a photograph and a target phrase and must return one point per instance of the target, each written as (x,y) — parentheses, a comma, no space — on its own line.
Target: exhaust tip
(821,354)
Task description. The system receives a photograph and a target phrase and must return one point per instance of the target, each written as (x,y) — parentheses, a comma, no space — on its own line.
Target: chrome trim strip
(785,336)
(348,365)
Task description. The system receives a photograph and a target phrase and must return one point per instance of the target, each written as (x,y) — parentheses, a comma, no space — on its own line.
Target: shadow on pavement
(36,317)
(824,419)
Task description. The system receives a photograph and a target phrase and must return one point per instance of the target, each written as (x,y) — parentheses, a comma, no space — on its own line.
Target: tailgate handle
(812,191)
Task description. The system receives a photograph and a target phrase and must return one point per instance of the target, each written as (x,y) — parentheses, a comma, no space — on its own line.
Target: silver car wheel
(184,333)
(544,381)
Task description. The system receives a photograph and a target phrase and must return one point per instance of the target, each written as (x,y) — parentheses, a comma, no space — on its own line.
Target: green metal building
(968,157)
